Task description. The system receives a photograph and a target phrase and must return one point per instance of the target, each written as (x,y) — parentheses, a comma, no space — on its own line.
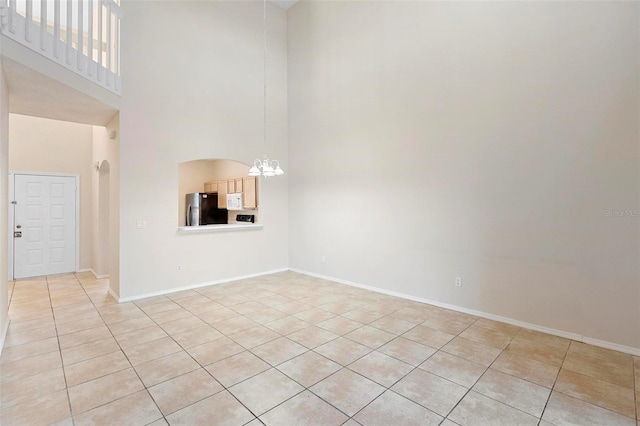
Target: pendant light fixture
(265,167)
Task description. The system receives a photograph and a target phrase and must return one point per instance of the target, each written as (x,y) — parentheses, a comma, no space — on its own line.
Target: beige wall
(43,145)
(191,178)
(4,196)
(190,94)
(485,140)
(193,174)
(223,170)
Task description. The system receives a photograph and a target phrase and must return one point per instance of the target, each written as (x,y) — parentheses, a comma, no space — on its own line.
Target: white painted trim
(219,228)
(568,335)
(192,286)
(77,222)
(3,337)
(98,277)
(114,295)
(43,173)
(10,225)
(612,346)
(31,35)
(11,216)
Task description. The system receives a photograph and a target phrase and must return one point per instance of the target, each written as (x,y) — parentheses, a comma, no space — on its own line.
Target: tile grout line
(128,360)
(289,315)
(64,375)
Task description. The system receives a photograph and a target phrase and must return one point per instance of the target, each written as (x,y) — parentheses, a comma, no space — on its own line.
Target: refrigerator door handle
(189,218)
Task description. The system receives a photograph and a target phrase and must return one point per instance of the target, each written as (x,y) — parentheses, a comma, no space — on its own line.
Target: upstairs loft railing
(81,35)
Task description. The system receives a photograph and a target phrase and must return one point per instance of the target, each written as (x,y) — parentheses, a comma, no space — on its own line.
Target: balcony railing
(81,35)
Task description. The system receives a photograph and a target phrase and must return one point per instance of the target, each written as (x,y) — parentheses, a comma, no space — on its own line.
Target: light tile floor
(288,349)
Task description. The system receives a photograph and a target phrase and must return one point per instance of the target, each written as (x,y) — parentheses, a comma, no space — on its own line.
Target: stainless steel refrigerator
(201,209)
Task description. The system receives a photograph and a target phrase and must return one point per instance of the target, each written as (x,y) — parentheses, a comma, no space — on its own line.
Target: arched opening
(103,219)
(222,177)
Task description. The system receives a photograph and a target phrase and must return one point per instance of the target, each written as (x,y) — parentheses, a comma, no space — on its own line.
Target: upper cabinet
(249,193)
(247,186)
(211,187)
(222,194)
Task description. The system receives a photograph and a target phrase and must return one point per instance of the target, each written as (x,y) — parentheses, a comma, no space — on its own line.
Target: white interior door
(44,226)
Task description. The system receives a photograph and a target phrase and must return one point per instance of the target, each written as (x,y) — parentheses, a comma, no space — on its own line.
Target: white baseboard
(114,295)
(613,346)
(561,333)
(98,277)
(193,286)
(3,337)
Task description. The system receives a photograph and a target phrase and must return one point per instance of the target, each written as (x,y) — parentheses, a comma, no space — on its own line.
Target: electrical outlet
(458,282)
(141,224)
(179,268)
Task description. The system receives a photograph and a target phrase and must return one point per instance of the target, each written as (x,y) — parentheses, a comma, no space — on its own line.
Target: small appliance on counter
(201,208)
(234,201)
(246,218)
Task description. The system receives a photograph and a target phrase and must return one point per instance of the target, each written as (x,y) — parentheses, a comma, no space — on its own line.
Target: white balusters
(80,34)
(100,27)
(74,41)
(28,21)
(109,15)
(90,38)
(43,24)
(10,20)
(116,44)
(56,28)
(69,40)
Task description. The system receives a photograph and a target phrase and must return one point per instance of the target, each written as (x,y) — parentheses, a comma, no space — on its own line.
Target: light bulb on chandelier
(266,167)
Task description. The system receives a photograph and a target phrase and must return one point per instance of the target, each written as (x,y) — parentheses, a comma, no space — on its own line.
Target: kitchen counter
(219,228)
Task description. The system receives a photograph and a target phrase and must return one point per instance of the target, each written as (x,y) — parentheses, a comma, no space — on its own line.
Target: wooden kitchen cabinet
(247,186)
(249,193)
(211,187)
(222,194)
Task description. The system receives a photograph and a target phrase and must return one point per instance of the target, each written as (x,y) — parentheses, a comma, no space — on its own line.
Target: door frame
(11,217)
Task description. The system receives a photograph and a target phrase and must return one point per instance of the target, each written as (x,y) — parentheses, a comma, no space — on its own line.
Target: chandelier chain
(265,167)
(264,74)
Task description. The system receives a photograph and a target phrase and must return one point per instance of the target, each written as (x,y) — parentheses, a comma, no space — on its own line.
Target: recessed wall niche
(195,175)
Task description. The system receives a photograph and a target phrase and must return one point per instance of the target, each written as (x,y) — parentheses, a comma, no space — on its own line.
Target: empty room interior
(309,212)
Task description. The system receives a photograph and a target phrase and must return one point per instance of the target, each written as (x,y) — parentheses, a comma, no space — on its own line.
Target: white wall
(485,140)
(193,89)
(43,145)
(4,196)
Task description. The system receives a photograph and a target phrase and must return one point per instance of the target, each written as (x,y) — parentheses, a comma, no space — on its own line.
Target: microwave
(234,201)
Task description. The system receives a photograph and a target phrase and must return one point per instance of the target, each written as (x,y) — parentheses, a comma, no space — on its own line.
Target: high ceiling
(33,93)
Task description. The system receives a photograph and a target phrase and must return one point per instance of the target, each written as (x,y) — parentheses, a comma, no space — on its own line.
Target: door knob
(17,234)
